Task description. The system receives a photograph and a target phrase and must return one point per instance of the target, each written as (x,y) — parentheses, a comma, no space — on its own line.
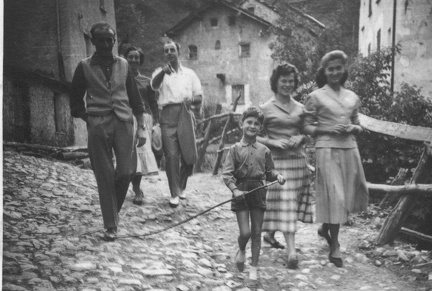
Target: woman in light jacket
(332,117)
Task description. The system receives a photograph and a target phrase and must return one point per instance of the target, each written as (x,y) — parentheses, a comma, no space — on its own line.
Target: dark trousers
(176,169)
(108,134)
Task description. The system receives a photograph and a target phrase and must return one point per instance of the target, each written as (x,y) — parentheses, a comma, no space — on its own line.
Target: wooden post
(222,142)
(403,208)
(203,147)
(389,198)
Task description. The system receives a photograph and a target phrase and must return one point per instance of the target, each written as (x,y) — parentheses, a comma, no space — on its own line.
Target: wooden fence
(406,193)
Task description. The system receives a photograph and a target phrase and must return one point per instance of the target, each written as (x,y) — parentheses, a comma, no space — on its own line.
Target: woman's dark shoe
(292,262)
(274,243)
(325,235)
(138,199)
(336,261)
(239,264)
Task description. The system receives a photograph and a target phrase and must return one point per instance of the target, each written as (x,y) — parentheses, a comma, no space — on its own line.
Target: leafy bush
(370,79)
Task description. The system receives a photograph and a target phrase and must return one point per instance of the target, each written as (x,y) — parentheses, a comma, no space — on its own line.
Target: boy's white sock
(253,273)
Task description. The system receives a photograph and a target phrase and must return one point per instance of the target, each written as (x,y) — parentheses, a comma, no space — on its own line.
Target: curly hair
(283,70)
(133,49)
(253,111)
(320,77)
(101,25)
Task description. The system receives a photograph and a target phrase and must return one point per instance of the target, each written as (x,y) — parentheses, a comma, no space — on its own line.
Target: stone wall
(41,52)
(252,72)
(413,32)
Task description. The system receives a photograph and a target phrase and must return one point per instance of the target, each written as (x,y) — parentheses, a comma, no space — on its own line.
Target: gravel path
(53,227)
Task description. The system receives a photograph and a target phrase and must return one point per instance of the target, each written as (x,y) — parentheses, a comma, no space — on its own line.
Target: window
(232,20)
(244,50)
(236,90)
(251,9)
(370,8)
(218,45)
(379,40)
(193,52)
(369,49)
(213,22)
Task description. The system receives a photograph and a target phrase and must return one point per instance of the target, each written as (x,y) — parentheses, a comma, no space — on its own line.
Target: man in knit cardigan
(104,94)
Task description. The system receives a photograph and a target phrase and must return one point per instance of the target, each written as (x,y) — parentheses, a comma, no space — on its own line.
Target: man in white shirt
(177,85)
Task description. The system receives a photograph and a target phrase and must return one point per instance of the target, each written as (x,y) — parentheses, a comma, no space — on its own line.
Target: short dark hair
(133,49)
(177,45)
(284,69)
(101,25)
(320,77)
(253,111)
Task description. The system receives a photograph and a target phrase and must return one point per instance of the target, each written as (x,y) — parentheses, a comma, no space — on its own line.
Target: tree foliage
(303,43)
(142,23)
(370,79)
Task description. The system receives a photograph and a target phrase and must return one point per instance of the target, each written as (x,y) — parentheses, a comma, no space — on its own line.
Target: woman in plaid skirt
(282,124)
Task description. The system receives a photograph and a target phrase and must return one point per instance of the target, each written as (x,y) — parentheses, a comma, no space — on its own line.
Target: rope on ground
(159,230)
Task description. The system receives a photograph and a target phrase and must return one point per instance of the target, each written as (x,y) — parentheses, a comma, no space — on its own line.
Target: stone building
(43,43)
(384,23)
(227,45)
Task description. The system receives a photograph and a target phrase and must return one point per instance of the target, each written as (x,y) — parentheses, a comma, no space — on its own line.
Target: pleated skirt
(292,201)
(340,184)
(145,161)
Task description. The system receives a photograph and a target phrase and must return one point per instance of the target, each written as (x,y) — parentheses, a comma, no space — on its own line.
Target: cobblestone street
(53,240)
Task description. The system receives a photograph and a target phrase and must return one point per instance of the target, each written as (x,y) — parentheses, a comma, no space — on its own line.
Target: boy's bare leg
(257,216)
(245,234)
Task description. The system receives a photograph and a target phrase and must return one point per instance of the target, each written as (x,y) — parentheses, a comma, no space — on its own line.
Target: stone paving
(53,229)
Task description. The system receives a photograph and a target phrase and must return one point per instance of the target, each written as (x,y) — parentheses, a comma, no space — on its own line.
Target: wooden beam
(406,204)
(219,116)
(416,234)
(389,198)
(396,129)
(222,142)
(405,189)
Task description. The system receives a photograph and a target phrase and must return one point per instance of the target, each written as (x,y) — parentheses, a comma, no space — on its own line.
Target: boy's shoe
(239,263)
(174,202)
(182,195)
(110,234)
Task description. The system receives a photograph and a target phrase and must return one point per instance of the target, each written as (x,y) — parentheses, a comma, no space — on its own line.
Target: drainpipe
(393,46)
(60,61)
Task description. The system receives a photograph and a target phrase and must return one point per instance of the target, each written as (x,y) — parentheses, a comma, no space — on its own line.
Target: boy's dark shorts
(254,200)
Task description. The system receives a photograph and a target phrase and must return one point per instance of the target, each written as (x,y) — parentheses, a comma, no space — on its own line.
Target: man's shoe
(110,234)
(174,202)
(138,199)
(182,195)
